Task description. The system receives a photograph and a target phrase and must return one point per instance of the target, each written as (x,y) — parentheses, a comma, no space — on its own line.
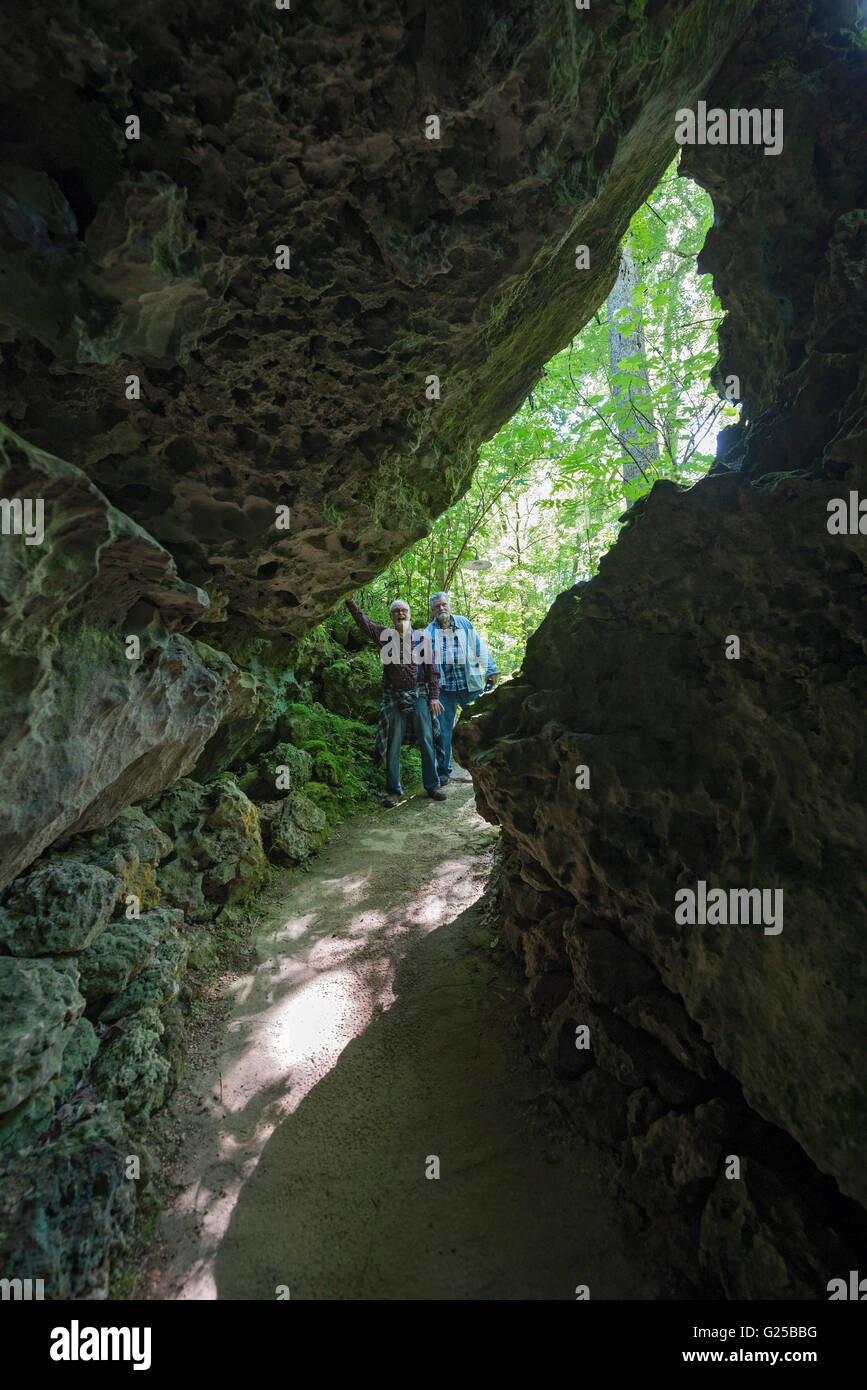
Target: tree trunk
(630,387)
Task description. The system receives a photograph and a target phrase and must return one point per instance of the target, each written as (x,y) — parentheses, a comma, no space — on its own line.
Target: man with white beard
(410,699)
(468,669)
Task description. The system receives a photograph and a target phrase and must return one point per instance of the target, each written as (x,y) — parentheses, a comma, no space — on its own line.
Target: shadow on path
(383,1028)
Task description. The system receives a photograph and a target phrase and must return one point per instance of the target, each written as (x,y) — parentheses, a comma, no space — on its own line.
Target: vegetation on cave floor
(628,402)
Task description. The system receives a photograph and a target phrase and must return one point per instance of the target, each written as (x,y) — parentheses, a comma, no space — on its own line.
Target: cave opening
(627,403)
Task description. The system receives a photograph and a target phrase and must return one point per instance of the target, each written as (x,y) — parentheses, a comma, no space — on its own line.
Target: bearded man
(467,669)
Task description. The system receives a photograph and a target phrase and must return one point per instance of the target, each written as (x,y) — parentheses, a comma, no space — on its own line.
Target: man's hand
(436,708)
(493,678)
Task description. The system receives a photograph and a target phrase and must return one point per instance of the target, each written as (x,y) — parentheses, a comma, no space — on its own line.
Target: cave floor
(382,1024)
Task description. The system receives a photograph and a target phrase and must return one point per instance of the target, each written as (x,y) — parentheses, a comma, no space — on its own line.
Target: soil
(364,1117)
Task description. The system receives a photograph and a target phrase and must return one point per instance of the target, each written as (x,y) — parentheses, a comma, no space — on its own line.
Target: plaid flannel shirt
(454,673)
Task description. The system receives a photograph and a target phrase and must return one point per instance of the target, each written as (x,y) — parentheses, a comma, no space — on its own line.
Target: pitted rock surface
(408,256)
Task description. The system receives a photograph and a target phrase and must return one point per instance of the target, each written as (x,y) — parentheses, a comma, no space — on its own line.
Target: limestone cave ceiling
(155,257)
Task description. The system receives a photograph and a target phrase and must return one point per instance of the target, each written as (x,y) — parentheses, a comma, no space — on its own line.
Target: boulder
(125,948)
(78,1054)
(132,1070)
(68,1207)
(353,688)
(298,830)
(22,1126)
(130,848)
(119,728)
(155,986)
(58,909)
(720,787)
(259,782)
(39,1007)
(217,858)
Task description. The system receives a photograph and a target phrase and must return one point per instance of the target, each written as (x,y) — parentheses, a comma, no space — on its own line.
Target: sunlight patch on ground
(323,976)
(295,927)
(355,887)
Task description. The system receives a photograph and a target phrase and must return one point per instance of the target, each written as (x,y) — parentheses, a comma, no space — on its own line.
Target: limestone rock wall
(85,729)
(788,243)
(710,1041)
(96,942)
(742,773)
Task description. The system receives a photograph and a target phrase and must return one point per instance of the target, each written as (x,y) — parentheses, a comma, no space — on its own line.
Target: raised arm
(371,630)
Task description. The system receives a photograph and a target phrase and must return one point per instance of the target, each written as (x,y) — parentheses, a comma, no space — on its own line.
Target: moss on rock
(260,779)
(352,687)
(298,830)
(218,858)
(22,1126)
(155,986)
(123,951)
(131,848)
(73,1052)
(68,1207)
(132,1069)
(57,909)
(39,1005)
(78,1054)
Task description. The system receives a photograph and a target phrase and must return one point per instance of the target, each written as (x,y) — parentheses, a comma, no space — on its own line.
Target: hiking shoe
(437,795)
(387,801)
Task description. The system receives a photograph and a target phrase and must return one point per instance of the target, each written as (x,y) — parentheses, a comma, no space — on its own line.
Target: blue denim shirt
(455,673)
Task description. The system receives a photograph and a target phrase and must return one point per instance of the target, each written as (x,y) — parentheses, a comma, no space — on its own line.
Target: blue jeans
(450,699)
(424,739)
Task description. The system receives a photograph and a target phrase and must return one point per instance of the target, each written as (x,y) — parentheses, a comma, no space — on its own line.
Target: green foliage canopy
(545,502)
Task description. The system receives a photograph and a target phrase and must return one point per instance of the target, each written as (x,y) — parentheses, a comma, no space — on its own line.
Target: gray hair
(393,605)
(434,597)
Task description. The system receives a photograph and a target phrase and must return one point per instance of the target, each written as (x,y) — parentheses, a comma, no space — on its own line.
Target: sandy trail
(383,1025)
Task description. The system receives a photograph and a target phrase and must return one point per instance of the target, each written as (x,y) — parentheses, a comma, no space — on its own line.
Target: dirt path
(382,1026)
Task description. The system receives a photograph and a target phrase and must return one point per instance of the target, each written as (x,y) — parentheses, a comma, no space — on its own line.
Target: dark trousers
(450,699)
(424,738)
